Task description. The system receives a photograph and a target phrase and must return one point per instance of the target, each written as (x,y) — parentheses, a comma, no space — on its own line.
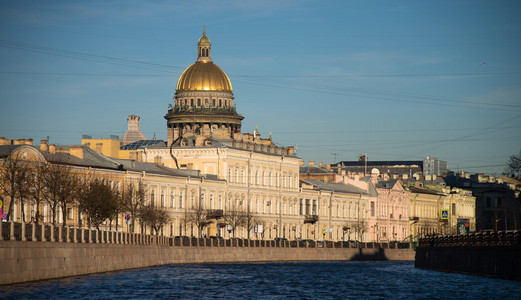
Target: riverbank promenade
(35,252)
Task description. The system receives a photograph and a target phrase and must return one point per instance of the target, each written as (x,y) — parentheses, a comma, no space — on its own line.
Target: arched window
(152,198)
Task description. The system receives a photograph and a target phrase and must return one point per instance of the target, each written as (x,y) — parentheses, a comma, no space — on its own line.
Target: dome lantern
(204,47)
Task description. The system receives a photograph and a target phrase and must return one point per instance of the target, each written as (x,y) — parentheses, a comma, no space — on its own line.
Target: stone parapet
(83,251)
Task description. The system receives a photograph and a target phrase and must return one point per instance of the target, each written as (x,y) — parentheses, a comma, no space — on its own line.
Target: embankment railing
(45,232)
(473,239)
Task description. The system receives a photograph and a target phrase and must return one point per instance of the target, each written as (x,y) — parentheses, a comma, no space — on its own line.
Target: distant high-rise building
(434,166)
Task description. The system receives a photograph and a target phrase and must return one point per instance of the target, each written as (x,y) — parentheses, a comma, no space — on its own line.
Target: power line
(262,79)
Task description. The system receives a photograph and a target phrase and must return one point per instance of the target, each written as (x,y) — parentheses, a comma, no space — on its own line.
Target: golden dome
(204,39)
(204,75)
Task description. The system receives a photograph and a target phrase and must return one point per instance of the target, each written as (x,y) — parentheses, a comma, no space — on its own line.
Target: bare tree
(250,221)
(153,216)
(61,187)
(234,218)
(132,198)
(514,165)
(198,216)
(36,188)
(13,180)
(359,227)
(97,201)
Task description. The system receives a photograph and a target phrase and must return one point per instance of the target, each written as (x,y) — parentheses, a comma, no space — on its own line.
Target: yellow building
(436,210)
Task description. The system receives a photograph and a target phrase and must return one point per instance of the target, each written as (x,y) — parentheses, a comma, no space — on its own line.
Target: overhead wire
(265,79)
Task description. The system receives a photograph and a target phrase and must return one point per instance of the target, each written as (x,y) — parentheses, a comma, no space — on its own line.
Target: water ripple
(304,280)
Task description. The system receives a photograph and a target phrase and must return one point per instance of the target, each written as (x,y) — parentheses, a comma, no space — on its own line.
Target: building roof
(336,187)
(419,190)
(374,163)
(143,143)
(314,170)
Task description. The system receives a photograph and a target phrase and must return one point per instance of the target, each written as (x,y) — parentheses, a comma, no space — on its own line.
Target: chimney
(52,148)
(43,146)
(301,163)
(19,141)
(4,141)
(311,163)
(133,123)
(29,142)
(99,148)
(76,151)
(320,164)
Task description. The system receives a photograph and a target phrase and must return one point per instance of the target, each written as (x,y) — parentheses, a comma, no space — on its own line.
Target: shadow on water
(379,255)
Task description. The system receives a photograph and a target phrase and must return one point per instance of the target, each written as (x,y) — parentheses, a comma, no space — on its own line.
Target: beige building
(437,210)
(332,211)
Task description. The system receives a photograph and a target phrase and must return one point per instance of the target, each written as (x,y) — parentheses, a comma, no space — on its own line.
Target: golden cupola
(203,101)
(204,75)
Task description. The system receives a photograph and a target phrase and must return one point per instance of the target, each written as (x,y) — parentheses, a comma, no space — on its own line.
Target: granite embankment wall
(488,253)
(52,252)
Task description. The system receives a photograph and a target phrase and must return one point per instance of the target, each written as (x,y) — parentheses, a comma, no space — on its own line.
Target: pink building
(388,215)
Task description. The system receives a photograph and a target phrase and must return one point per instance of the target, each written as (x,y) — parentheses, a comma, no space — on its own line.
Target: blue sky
(398,80)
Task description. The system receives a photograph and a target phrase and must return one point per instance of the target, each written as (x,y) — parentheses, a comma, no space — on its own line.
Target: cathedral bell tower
(203,102)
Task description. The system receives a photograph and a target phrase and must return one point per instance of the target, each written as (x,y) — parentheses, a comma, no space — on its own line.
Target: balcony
(311,219)
(214,214)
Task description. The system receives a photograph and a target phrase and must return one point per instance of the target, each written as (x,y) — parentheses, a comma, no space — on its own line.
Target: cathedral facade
(204,133)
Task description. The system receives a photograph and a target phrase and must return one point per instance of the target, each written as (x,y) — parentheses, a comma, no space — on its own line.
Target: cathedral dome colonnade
(203,101)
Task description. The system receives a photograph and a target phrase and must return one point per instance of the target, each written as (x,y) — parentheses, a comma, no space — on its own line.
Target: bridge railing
(474,239)
(45,232)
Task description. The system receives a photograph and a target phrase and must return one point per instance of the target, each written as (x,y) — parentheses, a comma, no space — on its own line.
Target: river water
(303,280)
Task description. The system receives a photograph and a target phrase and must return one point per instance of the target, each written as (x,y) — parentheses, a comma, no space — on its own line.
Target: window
(180,201)
(372,208)
(488,202)
(162,199)
(69,214)
(453,209)
(198,102)
(152,198)
(499,202)
(172,199)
